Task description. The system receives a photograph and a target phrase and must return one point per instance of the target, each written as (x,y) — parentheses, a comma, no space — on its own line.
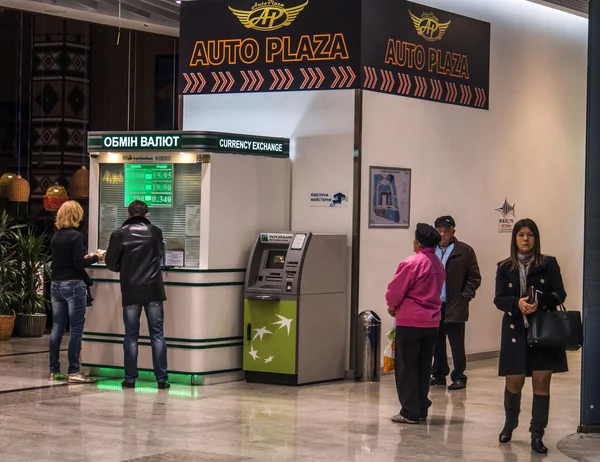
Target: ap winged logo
(268,15)
(429,27)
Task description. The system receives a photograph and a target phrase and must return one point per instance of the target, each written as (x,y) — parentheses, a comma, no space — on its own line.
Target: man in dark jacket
(462,281)
(136,250)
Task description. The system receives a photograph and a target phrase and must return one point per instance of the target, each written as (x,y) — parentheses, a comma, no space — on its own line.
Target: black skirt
(546,359)
(536,359)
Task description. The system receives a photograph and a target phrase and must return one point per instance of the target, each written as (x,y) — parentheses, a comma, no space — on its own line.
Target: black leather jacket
(135,250)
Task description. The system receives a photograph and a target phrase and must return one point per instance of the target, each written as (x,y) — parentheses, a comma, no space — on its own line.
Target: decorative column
(60,94)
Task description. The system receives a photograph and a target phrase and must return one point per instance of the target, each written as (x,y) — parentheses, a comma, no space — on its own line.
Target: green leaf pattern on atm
(283,322)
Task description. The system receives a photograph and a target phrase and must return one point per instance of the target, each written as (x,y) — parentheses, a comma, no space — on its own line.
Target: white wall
(321,125)
(529,147)
(247,195)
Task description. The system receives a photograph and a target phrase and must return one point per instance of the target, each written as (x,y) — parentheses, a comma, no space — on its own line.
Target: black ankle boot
(512,409)
(539,422)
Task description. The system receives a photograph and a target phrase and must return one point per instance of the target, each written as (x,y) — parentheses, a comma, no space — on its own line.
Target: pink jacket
(415,291)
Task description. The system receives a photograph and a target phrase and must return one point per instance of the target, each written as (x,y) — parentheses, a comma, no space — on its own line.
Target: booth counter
(202,325)
(210,194)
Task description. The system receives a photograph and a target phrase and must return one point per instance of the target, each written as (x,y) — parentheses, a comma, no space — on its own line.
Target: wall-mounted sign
(397,47)
(389,205)
(233,143)
(506,223)
(175,258)
(421,52)
(150,183)
(161,143)
(328,199)
(268,45)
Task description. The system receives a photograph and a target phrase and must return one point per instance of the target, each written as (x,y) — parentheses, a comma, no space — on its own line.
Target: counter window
(174,204)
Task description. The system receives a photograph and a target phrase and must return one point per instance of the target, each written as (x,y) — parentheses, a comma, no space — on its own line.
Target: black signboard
(231,46)
(417,51)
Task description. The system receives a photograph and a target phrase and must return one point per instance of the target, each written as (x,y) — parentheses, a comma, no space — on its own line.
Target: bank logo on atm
(429,27)
(268,15)
(269,237)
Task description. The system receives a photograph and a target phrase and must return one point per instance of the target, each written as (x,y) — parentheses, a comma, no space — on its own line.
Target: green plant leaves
(23,268)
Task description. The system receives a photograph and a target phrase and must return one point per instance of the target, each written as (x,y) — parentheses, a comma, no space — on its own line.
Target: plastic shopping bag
(389,359)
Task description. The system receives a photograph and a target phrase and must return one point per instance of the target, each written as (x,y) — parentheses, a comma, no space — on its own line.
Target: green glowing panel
(151,183)
(270,336)
(149,388)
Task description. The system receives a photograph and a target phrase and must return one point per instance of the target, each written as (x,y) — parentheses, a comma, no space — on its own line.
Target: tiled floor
(24,363)
(18,345)
(342,421)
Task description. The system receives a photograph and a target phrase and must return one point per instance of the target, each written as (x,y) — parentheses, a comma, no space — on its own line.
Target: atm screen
(276,259)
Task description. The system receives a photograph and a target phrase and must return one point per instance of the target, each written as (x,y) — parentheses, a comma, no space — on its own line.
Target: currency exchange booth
(209,193)
(295,308)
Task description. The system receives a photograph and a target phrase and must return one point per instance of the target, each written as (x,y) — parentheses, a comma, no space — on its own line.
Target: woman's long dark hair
(513,260)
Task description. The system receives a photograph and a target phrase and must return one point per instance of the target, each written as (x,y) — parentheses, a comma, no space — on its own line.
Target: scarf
(524,265)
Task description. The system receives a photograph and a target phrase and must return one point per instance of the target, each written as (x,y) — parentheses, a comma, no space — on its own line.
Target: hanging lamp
(56,196)
(5,181)
(19,189)
(80,184)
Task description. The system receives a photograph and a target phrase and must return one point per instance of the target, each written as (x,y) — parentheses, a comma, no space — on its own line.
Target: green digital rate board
(151,183)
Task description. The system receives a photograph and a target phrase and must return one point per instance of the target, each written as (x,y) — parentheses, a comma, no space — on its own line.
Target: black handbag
(88,297)
(555,329)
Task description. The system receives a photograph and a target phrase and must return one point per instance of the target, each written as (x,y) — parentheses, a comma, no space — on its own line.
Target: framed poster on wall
(389,201)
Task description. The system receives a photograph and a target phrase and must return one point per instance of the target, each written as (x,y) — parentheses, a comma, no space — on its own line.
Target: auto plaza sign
(391,46)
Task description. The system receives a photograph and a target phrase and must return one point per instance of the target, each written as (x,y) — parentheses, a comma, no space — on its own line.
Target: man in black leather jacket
(136,250)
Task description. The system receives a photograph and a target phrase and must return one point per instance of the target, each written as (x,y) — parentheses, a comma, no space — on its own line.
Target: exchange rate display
(151,183)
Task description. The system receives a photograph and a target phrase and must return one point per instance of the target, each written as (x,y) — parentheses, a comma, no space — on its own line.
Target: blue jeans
(131,318)
(68,303)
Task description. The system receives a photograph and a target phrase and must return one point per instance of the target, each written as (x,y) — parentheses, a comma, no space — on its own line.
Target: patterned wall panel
(60,114)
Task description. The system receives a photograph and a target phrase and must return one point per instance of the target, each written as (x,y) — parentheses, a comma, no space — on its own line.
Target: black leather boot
(539,422)
(512,409)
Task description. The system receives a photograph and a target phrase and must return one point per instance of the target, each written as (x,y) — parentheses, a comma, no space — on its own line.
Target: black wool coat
(515,359)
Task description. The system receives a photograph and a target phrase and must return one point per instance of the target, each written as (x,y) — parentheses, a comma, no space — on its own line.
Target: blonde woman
(68,290)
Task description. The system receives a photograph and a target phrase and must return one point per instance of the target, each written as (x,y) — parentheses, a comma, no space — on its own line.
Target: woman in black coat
(526,268)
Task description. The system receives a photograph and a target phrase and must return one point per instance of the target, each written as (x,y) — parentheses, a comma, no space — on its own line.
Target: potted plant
(32,259)
(8,276)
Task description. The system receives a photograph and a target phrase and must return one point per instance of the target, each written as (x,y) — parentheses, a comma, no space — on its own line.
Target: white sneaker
(56,377)
(78,377)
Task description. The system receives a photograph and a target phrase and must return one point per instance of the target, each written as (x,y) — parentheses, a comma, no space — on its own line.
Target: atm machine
(296,308)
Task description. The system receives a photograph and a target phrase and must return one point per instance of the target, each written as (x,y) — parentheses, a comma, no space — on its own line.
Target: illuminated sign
(270,45)
(268,15)
(150,183)
(429,27)
(141,141)
(438,56)
(248,145)
(130,145)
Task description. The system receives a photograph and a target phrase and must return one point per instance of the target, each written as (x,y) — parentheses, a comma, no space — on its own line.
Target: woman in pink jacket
(413,298)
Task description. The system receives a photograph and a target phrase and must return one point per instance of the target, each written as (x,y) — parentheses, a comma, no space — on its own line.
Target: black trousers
(414,348)
(456,336)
